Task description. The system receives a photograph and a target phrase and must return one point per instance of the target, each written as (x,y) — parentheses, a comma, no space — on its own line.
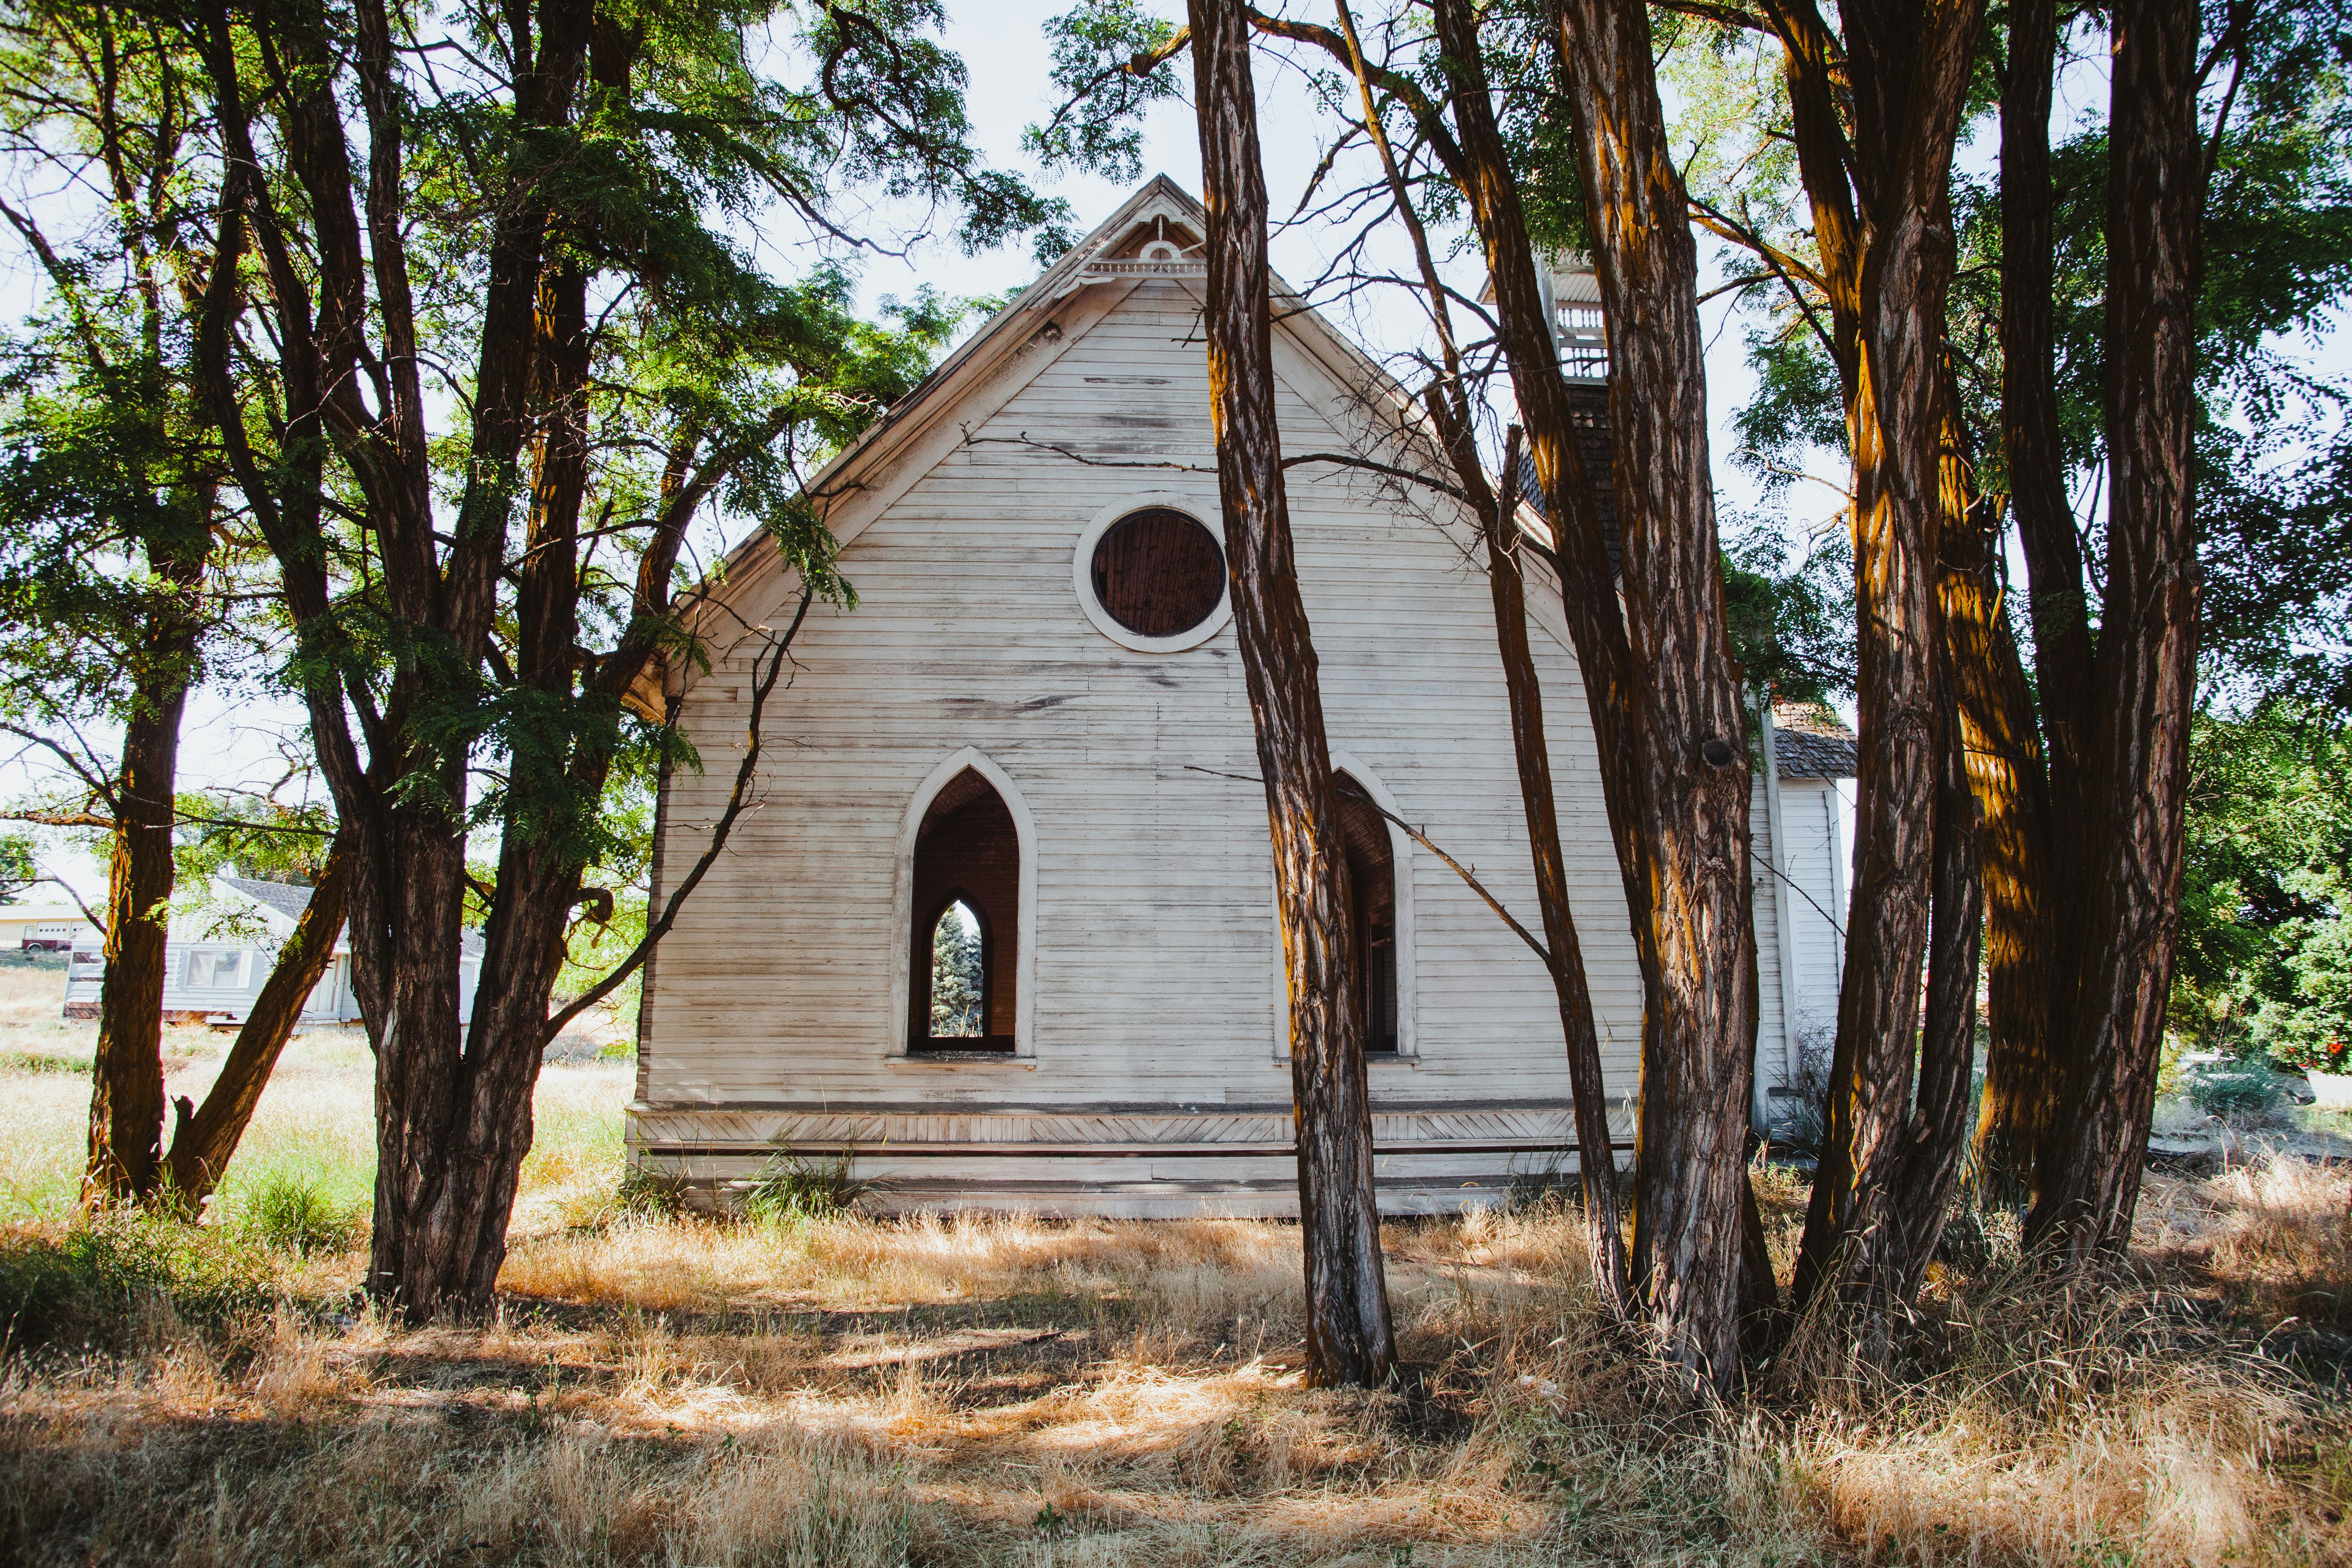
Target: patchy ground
(840,1392)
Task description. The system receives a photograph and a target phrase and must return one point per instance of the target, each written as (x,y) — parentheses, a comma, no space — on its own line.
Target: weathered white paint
(1149,971)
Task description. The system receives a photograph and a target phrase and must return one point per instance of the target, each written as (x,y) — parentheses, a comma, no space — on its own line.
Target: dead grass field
(668,1390)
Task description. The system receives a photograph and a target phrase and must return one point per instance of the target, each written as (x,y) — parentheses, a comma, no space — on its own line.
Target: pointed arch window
(964,958)
(1371,873)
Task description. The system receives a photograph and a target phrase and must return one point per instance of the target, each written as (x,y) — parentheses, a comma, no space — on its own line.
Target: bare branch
(1341,785)
(737,799)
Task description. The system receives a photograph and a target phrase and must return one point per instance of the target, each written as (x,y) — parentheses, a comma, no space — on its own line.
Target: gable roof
(1810,743)
(1016,345)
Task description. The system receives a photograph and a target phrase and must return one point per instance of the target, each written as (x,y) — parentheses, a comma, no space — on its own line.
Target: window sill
(961,1059)
(1374,1060)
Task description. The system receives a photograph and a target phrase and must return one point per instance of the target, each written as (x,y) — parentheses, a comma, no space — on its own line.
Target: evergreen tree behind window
(956,973)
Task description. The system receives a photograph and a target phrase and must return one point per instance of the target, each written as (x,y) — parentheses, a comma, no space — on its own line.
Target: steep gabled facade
(1034,725)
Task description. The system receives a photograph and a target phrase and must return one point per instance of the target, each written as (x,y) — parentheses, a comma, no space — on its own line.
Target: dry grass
(1008,1391)
(1012,1391)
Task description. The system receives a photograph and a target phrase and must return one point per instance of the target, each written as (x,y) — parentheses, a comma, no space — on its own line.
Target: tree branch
(737,799)
(1353,792)
(1339,460)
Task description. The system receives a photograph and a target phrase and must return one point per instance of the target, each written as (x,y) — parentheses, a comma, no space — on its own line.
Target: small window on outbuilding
(1159,572)
(1371,872)
(967,907)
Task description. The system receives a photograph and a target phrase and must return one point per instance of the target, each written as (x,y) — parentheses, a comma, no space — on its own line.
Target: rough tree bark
(2144,690)
(1937,1138)
(2002,749)
(126,1102)
(1349,1336)
(1675,861)
(204,1138)
(1876,121)
(2037,825)
(1698,1038)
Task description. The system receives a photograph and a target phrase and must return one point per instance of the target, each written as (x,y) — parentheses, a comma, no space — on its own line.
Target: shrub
(2232,1088)
(650,1193)
(796,1185)
(293,1213)
(92,1284)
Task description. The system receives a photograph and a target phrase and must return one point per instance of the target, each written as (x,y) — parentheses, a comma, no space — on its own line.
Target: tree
(111,494)
(550,219)
(2032,364)
(1349,1338)
(956,977)
(2141,693)
(1877,111)
(1664,702)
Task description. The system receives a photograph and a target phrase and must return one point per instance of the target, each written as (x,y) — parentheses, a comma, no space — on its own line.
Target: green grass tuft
(95,1283)
(794,1185)
(297,1215)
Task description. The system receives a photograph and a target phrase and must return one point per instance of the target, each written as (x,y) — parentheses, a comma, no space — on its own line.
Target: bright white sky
(233,736)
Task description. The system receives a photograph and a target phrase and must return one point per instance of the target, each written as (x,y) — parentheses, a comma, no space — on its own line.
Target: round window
(1158,573)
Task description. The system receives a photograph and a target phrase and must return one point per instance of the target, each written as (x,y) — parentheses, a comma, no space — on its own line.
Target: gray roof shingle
(284,896)
(1811,743)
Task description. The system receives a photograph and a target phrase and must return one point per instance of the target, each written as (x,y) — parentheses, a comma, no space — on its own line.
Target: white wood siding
(1155,975)
(1811,809)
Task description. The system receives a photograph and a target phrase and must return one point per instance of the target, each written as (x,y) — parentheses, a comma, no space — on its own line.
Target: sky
(233,736)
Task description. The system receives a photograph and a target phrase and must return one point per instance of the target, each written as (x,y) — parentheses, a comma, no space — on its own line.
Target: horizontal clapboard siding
(1156,975)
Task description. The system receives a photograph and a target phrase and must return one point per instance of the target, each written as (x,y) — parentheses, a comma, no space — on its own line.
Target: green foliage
(2273,444)
(1792,625)
(649,1194)
(2232,1088)
(294,1213)
(2311,1027)
(1099,126)
(92,1284)
(108,496)
(956,978)
(2265,957)
(20,866)
(796,1185)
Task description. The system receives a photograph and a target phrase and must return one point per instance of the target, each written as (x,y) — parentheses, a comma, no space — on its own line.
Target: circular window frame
(1082,574)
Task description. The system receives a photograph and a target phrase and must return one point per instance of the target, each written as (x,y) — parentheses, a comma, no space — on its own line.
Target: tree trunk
(2034,832)
(126,1102)
(2146,694)
(1939,1119)
(1348,1336)
(204,1140)
(1699,1036)
(454,1243)
(1907,67)
(2023,960)
(1596,1150)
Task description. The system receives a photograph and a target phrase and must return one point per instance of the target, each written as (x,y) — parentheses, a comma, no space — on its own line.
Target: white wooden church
(1033,727)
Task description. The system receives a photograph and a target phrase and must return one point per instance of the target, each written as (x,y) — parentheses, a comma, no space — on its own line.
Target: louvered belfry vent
(1159,572)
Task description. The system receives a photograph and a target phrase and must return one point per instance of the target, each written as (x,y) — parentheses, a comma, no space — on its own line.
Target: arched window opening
(1371,871)
(967,907)
(958,974)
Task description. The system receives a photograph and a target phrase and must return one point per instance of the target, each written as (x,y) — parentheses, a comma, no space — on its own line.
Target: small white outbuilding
(217,959)
(1033,729)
